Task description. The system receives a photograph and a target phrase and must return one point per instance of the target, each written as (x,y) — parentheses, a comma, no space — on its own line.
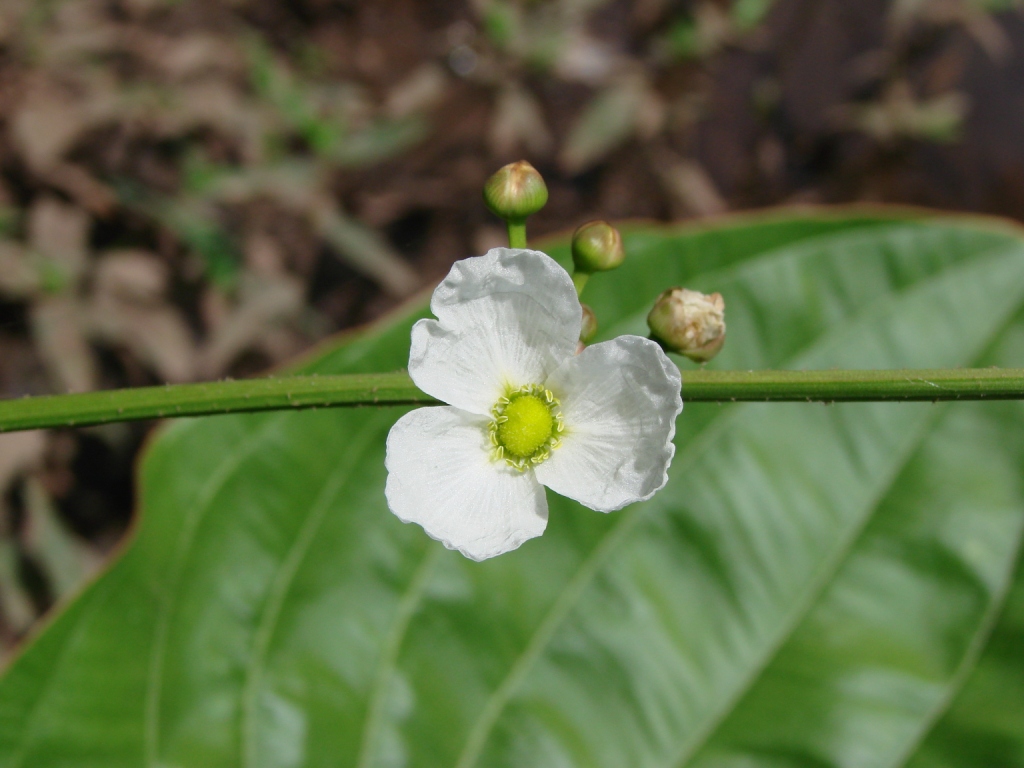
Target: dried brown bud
(689,323)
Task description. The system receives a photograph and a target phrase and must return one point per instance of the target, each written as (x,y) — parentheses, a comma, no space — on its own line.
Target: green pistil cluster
(526,425)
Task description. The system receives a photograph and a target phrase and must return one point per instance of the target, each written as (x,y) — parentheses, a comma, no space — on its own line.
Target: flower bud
(589,327)
(689,323)
(515,191)
(597,247)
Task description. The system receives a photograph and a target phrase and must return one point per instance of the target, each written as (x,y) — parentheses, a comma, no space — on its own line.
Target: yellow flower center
(526,425)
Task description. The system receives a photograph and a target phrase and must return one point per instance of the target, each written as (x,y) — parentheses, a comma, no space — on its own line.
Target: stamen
(526,425)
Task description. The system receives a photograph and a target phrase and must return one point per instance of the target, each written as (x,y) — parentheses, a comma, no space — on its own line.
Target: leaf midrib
(281,584)
(154,684)
(817,585)
(388,660)
(969,661)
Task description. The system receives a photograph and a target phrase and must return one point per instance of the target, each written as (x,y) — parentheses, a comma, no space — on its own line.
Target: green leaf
(984,724)
(813,587)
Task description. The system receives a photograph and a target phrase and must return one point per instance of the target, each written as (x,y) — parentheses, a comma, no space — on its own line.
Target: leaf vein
(194,518)
(388,661)
(281,585)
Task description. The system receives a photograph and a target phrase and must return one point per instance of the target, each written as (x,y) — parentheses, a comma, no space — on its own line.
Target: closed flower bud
(589,328)
(597,247)
(689,323)
(516,191)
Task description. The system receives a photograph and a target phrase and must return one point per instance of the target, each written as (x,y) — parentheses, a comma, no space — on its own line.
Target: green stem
(579,279)
(837,386)
(298,392)
(516,233)
(292,392)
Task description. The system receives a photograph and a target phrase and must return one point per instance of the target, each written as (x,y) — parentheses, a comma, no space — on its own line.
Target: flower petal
(620,400)
(441,476)
(505,319)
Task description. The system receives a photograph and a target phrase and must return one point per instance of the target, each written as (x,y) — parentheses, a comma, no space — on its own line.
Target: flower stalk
(516,233)
(579,280)
(303,392)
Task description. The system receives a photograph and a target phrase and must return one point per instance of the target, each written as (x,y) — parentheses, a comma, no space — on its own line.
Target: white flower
(525,410)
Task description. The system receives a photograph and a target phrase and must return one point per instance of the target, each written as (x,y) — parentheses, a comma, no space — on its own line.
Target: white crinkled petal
(620,400)
(504,319)
(441,477)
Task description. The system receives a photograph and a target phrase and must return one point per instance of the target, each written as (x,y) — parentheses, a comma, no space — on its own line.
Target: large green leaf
(813,587)
(984,725)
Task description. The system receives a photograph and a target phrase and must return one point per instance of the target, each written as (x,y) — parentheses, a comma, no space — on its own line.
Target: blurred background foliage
(193,189)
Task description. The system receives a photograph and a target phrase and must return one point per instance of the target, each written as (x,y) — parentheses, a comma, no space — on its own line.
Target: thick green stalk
(298,392)
(516,233)
(836,386)
(291,392)
(579,279)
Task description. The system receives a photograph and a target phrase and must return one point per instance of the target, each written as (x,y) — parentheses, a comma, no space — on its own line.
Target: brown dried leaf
(131,276)
(19,453)
(715,28)
(585,59)
(46,126)
(77,31)
(611,118)
(190,56)
(419,92)
(19,279)
(7,25)
(281,344)
(263,304)
(59,233)
(216,104)
(88,191)
(976,20)
(12,14)
(214,308)
(63,557)
(293,184)
(690,186)
(157,336)
(128,308)
(363,249)
(57,324)
(297,186)
(900,114)
(518,122)
(143,7)
(263,255)
(15,602)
